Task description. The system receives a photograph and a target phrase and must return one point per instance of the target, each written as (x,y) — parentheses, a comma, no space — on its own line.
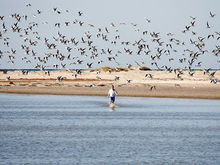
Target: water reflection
(83,130)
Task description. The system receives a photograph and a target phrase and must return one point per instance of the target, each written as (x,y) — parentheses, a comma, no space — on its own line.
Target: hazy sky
(167,16)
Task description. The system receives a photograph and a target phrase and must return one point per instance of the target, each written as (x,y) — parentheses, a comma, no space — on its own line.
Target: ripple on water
(41,129)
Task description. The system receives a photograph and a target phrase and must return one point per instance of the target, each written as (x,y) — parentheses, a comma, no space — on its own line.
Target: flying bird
(211,14)
(207,25)
(80,13)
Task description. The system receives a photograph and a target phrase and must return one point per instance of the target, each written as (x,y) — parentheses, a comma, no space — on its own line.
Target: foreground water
(46,129)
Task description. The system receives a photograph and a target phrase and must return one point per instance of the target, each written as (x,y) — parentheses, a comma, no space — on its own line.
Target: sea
(83,130)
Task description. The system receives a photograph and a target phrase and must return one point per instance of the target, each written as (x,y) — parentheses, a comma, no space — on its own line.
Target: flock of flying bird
(105,46)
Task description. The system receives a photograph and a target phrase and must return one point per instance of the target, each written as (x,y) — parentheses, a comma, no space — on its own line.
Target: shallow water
(47,129)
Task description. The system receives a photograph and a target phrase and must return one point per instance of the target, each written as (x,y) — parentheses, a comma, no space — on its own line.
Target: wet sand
(166,84)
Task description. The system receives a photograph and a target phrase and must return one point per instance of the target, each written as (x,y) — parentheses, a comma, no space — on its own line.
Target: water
(46,129)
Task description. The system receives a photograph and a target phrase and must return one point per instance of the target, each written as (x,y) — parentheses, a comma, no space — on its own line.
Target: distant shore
(133,83)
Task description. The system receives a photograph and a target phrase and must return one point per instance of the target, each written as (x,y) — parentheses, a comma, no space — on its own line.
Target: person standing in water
(111,95)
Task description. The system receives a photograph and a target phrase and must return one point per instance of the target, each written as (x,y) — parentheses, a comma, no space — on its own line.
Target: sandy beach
(97,82)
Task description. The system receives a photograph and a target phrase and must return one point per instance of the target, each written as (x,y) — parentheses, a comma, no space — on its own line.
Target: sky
(129,18)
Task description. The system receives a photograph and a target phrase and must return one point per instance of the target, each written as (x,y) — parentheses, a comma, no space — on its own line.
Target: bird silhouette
(90,45)
(212,15)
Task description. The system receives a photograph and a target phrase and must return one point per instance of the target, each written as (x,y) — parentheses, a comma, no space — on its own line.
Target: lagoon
(52,129)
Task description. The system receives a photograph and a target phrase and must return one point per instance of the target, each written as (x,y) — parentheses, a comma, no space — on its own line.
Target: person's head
(113,87)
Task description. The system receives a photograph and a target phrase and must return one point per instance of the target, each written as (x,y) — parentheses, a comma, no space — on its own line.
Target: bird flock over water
(67,41)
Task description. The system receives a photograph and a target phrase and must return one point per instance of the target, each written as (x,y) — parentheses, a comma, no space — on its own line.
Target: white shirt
(112,93)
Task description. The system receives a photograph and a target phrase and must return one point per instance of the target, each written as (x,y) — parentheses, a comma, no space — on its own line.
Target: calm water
(46,129)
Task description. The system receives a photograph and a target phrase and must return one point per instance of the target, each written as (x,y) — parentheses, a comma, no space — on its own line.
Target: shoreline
(130,83)
(183,92)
